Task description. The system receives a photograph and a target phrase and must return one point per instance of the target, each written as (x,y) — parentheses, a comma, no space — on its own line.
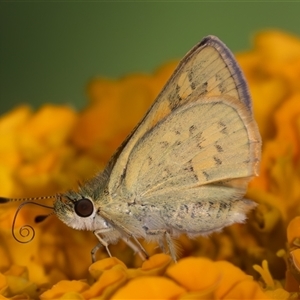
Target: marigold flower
(47,151)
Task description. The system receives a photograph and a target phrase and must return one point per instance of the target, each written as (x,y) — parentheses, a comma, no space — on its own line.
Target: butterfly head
(73,209)
(81,209)
(76,210)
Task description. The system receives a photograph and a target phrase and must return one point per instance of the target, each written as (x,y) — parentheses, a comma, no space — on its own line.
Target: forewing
(209,141)
(156,157)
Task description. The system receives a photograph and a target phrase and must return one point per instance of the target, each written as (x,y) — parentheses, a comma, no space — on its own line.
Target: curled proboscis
(27,232)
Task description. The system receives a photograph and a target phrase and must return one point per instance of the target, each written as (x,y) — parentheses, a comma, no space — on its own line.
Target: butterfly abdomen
(204,217)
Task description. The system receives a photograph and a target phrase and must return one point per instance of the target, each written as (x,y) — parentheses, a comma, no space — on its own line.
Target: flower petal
(148,287)
(247,289)
(108,282)
(62,287)
(188,272)
(97,268)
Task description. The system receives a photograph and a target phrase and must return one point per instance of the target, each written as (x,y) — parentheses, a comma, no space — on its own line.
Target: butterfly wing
(199,131)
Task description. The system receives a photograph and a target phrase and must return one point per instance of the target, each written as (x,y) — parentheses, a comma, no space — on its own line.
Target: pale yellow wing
(200,130)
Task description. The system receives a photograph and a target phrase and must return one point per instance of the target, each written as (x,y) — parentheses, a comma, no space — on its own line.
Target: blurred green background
(50,50)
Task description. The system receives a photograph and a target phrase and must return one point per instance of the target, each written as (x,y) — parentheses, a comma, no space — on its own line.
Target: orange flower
(214,280)
(275,59)
(47,151)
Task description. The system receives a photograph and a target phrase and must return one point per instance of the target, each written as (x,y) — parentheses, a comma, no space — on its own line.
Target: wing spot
(203,90)
(190,76)
(164,144)
(217,160)
(175,99)
(166,173)
(218,77)
(205,175)
(222,87)
(201,140)
(223,126)
(192,129)
(224,130)
(199,136)
(219,148)
(189,169)
(150,160)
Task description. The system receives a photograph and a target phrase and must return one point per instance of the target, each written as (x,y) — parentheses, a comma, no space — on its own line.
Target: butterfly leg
(136,248)
(127,234)
(164,235)
(95,250)
(99,245)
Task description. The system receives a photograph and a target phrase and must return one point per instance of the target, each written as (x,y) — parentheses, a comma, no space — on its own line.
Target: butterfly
(185,167)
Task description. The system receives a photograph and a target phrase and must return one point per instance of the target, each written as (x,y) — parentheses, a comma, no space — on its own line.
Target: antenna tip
(4,200)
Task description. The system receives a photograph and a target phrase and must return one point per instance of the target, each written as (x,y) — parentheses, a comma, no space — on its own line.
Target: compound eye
(84,208)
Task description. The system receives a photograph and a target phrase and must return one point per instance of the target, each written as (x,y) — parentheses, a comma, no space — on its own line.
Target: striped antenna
(6,200)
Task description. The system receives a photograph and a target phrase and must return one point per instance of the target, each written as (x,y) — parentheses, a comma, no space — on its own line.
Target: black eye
(84,208)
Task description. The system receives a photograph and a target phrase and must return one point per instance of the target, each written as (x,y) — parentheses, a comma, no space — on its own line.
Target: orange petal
(295,255)
(71,296)
(148,287)
(15,270)
(278,49)
(3,284)
(285,119)
(109,281)
(278,294)
(155,265)
(202,295)
(20,285)
(230,276)
(293,231)
(267,95)
(64,287)
(188,272)
(247,289)
(15,119)
(48,127)
(97,268)
(156,261)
